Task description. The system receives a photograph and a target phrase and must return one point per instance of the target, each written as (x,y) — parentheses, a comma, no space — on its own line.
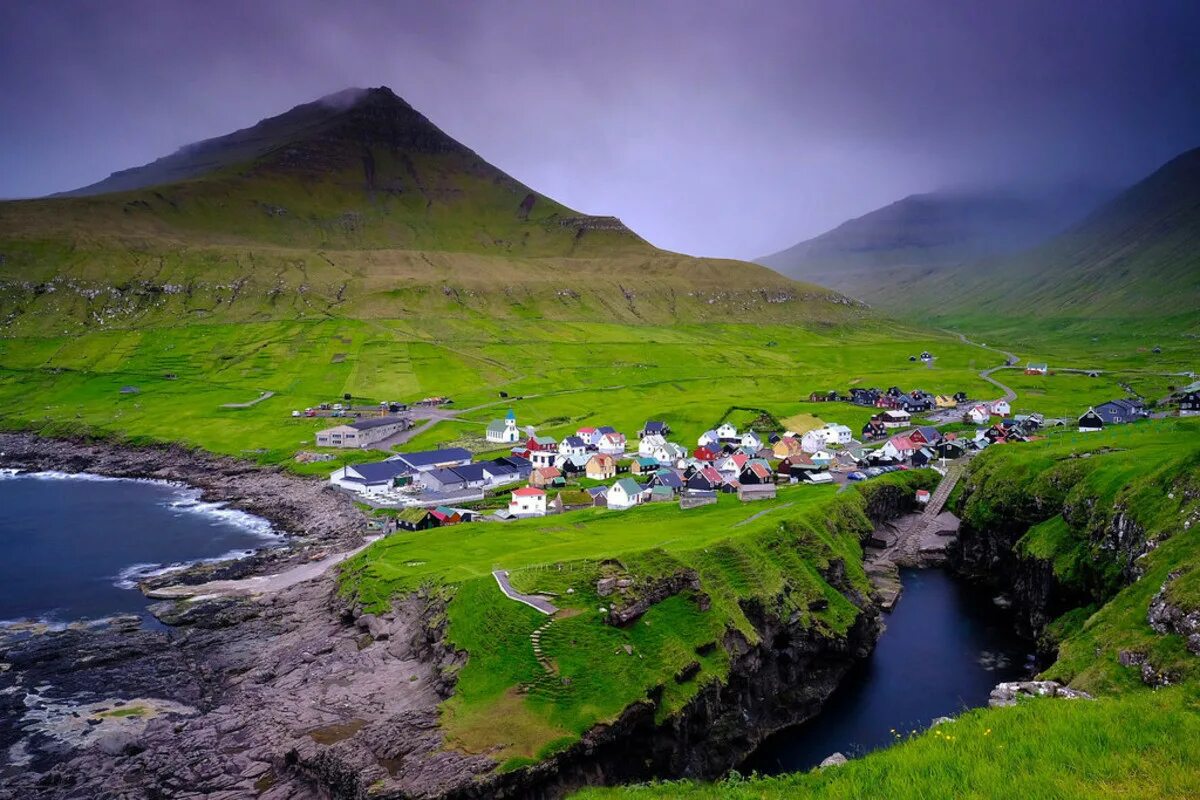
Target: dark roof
(376,471)
(573,441)
(654,426)
(603,429)
(520,462)
(445,476)
(469,472)
(374,422)
(499,466)
(1120,409)
(427,458)
(930,433)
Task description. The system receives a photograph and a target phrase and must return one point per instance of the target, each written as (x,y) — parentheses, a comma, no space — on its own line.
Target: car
(856,476)
(874,472)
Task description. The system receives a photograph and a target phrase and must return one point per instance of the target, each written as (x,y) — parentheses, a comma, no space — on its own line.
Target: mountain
(354,204)
(1137,256)
(875,255)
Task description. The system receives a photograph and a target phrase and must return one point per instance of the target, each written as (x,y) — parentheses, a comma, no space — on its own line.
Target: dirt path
(753,517)
(247,404)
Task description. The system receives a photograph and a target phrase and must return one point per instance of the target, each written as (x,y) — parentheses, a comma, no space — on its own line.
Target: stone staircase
(535,639)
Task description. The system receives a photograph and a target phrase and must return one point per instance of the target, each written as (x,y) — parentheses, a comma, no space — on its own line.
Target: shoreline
(311,520)
(265,656)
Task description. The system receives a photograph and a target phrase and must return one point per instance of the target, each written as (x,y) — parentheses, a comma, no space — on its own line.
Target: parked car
(856,476)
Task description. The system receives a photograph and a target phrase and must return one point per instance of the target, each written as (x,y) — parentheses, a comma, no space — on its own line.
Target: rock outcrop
(1008,694)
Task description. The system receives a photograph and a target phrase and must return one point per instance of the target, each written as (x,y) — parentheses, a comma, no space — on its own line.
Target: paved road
(1010,361)
(533,601)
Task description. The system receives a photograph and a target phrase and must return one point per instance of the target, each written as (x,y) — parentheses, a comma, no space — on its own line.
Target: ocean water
(73,547)
(945,647)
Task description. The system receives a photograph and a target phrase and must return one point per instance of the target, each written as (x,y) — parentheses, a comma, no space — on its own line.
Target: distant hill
(875,255)
(354,204)
(1136,256)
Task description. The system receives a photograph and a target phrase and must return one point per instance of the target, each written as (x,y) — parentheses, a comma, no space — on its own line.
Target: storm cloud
(713,128)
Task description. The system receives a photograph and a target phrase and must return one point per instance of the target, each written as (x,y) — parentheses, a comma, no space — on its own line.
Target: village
(600,467)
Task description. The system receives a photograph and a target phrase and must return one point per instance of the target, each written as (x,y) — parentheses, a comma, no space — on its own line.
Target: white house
(543,458)
(504,431)
(373,478)
(1001,408)
(625,493)
(726,431)
(813,440)
(837,434)
(590,436)
(898,448)
(707,438)
(895,418)
(528,502)
(669,453)
(649,443)
(751,441)
(977,415)
(572,446)
(612,444)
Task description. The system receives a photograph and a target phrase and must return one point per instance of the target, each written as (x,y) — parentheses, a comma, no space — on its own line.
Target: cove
(73,546)
(946,645)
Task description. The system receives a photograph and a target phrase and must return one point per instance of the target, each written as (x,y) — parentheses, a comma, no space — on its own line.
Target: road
(1010,360)
(533,601)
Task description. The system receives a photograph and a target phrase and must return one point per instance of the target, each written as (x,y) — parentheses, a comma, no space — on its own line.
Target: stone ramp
(532,600)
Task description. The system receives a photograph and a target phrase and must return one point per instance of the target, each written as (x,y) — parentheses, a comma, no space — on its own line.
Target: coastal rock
(651,593)
(1007,694)
(835,760)
(1167,618)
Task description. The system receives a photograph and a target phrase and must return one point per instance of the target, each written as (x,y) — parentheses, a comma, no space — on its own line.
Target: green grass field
(565,375)
(1129,742)
(509,704)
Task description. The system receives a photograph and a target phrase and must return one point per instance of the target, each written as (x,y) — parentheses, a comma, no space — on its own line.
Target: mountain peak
(311,136)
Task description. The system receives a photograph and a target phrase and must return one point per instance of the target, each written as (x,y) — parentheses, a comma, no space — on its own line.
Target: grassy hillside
(355,205)
(1135,258)
(559,375)
(1128,742)
(776,553)
(875,256)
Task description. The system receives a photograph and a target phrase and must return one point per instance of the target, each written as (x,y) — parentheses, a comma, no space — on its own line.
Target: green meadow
(1134,740)
(558,375)
(778,553)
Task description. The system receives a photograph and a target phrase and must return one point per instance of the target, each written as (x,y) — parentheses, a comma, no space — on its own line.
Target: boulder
(606,586)
(835,760)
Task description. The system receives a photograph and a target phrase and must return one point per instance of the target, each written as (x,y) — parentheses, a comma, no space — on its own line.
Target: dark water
(945,647)
(71,547)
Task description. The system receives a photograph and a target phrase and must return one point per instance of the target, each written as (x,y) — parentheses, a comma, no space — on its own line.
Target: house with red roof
(899,448)
(528,501)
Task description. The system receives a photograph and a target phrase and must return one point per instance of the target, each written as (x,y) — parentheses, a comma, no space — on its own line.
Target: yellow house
(945,401)
(787,446)
(601,467)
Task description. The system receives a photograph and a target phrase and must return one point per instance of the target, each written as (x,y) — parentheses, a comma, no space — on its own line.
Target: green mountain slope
(1138,255)
(875,255)
(354,205)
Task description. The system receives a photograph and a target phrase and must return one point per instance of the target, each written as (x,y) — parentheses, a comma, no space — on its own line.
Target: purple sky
(713,128)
